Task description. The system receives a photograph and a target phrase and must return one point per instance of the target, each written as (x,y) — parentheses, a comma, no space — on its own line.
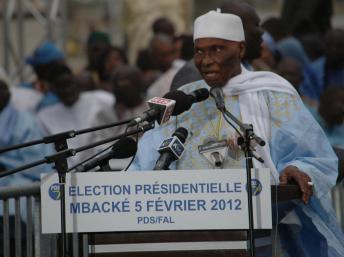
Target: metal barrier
(27,239)
(16,195)
(21,225)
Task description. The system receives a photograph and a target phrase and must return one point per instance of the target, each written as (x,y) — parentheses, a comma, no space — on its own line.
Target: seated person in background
(97,43)
(164,56)
(163,25)
(22,98)
(291,47)
(296,150)
(127,88)
(267,59)
(291,70)
(76,110)
(108,63)
(329,69)
(330,115)
(144,60)
(44,57)
(150,73)
(17,127)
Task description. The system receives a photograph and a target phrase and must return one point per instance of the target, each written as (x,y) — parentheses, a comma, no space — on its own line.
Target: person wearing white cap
(273,107)
(253,39)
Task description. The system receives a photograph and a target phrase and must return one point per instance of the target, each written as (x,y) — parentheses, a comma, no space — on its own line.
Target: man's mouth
(210,75)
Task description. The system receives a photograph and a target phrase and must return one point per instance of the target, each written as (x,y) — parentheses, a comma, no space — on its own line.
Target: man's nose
(207,60)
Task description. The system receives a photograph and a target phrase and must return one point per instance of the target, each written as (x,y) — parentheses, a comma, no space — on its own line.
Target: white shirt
(25,99)
(59,118)
(162,85)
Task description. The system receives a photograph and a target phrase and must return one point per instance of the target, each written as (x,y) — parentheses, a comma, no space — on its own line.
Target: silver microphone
(217,94)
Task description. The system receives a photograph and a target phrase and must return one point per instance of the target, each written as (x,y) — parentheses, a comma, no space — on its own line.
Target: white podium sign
(156,200)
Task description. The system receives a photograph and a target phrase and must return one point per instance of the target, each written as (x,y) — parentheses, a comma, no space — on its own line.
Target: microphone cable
(224,114)
(137,141)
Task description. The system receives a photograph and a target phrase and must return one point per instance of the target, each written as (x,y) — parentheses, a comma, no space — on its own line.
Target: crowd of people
(58,96)
(109,89)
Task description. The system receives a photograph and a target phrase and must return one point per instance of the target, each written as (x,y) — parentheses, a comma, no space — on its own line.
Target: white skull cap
(215,24)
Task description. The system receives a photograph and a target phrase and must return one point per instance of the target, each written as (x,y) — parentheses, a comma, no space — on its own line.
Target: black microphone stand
(71,152)
(244,141)
(61,165)
(246,147)
(62,135)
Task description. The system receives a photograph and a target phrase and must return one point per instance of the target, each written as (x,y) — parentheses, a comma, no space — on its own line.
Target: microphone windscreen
(124,148)
(181,133)
(182,103)
(217,94)
(200,94)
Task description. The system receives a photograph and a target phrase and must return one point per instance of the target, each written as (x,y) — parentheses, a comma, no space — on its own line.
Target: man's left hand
(292,173)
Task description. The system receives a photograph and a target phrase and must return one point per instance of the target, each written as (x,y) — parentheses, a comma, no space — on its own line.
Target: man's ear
(242,49)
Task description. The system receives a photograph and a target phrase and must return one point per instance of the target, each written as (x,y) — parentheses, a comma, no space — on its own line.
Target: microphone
(171,149)
(196,96)
(214,151)
(173,103)
(217,94)
(160,110)
(123,148)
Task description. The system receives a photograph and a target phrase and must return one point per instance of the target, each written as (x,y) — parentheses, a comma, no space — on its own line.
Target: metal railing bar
(85,245)
(6,229)
(17,228)
(15,191)
(37,227)
(75,240)
(29,240)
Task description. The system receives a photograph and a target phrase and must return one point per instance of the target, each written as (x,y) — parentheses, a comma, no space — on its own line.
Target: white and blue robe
(293,138)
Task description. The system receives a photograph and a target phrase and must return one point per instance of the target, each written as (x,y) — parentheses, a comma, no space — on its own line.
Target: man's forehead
(208,42)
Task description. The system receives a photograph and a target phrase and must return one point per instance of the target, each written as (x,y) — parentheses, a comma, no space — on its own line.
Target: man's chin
(214,83)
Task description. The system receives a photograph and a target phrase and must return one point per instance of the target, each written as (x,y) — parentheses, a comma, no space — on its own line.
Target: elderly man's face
(218,60)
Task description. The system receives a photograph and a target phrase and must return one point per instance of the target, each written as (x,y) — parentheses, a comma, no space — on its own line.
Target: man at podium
(296,148)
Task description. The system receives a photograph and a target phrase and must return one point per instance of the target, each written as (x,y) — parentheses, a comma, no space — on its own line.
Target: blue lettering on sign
(188,188)
(99,207)
(99,190)
(223,205)
(155,220)
(175,205)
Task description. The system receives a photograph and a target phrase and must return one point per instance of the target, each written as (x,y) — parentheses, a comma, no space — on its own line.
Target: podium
(195,243)
(194,213)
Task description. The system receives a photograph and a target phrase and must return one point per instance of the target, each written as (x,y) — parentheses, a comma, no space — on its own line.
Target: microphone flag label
(173,145)
(165,106)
